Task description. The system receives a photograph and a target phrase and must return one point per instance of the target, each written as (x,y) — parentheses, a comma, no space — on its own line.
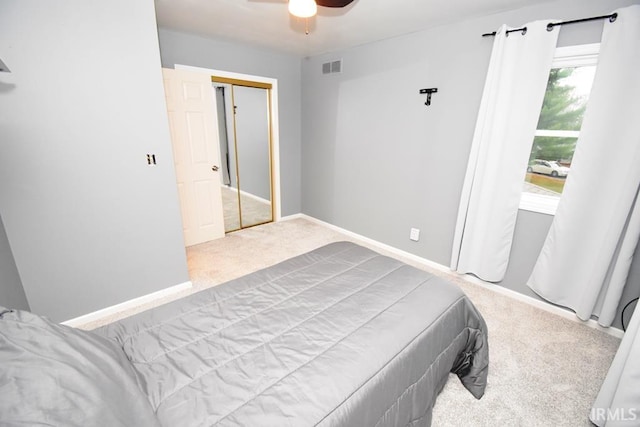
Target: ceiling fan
(308,8)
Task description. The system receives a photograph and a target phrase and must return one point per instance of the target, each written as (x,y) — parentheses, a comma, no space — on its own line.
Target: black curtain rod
(550,25)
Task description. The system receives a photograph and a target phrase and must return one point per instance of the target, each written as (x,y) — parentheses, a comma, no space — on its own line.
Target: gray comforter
(339,336)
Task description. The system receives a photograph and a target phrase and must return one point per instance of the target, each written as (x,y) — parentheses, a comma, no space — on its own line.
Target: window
(565,101)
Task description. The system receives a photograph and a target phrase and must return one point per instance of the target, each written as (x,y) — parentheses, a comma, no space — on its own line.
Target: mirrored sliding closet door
(244,124)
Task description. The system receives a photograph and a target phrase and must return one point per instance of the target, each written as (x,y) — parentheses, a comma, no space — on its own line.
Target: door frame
(275,129)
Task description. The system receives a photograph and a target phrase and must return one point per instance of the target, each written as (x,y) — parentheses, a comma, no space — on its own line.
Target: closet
(245,134)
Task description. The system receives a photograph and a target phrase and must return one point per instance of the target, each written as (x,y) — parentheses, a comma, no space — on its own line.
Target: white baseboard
(297,216)
(109,311)
(250,195)
(256,198)
(565,313)
(100,314)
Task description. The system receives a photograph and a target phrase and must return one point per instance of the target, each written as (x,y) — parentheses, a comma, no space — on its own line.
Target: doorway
(273,122)
(244,122)
(191,114)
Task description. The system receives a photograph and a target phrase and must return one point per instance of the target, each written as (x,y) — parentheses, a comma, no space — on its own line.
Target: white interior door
(192,120)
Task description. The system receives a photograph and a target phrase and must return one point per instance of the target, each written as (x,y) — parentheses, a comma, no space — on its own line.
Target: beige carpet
(544,370)
(254,211)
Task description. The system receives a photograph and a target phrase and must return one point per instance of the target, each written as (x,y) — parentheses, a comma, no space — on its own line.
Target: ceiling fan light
(303,8)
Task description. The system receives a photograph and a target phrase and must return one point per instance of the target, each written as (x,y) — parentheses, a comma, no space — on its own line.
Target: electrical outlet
(414,234)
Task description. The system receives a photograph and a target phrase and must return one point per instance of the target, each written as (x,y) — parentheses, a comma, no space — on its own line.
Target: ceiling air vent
(332,67)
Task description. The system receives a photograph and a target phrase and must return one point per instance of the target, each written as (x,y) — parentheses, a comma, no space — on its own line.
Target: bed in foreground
(340,336)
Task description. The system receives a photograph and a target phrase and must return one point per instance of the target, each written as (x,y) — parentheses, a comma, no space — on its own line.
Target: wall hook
(428,92)
(4,68)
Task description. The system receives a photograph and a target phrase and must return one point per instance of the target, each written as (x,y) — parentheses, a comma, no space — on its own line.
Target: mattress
(340,336)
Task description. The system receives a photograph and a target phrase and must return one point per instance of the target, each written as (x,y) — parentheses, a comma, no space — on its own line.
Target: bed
(340,336)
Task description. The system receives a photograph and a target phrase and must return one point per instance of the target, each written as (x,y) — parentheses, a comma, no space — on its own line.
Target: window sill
(539,203)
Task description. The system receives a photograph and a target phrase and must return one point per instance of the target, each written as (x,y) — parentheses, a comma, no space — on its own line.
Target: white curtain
(618,403)
(511,103)
(586,257)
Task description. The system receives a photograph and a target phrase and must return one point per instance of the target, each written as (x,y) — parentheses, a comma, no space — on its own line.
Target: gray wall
(187,49)
(377,161)
(11,291)
(89,223)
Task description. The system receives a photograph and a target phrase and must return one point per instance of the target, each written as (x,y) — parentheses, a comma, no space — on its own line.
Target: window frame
(565,57)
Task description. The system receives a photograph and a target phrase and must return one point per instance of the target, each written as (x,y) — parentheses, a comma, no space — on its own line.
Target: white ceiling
(268,23)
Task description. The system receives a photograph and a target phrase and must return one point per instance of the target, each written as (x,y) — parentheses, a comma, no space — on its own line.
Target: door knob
(214,168)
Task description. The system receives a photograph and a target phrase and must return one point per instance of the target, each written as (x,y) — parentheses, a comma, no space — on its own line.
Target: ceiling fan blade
(333,3)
